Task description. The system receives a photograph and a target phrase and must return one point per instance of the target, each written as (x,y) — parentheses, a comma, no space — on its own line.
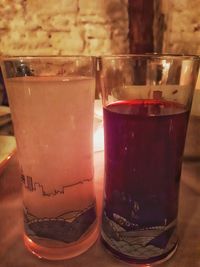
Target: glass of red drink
(146,104)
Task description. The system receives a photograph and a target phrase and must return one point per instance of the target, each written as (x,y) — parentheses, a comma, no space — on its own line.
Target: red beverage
(144,143)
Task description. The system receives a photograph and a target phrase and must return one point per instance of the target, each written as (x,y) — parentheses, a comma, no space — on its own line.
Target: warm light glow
(98,139)
(165,71)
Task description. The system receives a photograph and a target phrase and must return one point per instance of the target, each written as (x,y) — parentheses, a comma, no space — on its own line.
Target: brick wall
(177,27)
(43,27)
(96,27)
(182,33)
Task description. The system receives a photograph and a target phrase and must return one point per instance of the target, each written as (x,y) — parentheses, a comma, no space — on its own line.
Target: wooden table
(13,253)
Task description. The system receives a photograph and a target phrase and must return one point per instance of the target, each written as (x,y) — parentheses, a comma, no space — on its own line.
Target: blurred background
(98,27)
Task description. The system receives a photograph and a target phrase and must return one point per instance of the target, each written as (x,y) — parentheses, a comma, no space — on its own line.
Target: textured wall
(182,33)
(92,26)
(42,27)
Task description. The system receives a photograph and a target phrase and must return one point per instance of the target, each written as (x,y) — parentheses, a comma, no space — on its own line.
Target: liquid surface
(144,142)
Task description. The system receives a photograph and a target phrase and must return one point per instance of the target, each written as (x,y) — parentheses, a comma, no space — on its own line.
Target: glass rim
(43,57)
(152,56)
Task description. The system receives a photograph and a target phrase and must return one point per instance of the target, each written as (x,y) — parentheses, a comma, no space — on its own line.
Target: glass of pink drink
(146,104)
(51,100)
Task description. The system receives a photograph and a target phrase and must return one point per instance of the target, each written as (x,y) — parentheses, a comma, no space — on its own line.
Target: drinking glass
(52,103)
(146,105)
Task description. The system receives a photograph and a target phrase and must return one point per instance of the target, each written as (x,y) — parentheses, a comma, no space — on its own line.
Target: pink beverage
(144,142)
(53,126)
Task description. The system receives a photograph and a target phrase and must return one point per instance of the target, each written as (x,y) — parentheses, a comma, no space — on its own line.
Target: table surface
(14,254)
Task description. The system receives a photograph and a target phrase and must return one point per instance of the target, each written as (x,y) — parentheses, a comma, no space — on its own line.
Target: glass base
(154,260)
(61,253)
